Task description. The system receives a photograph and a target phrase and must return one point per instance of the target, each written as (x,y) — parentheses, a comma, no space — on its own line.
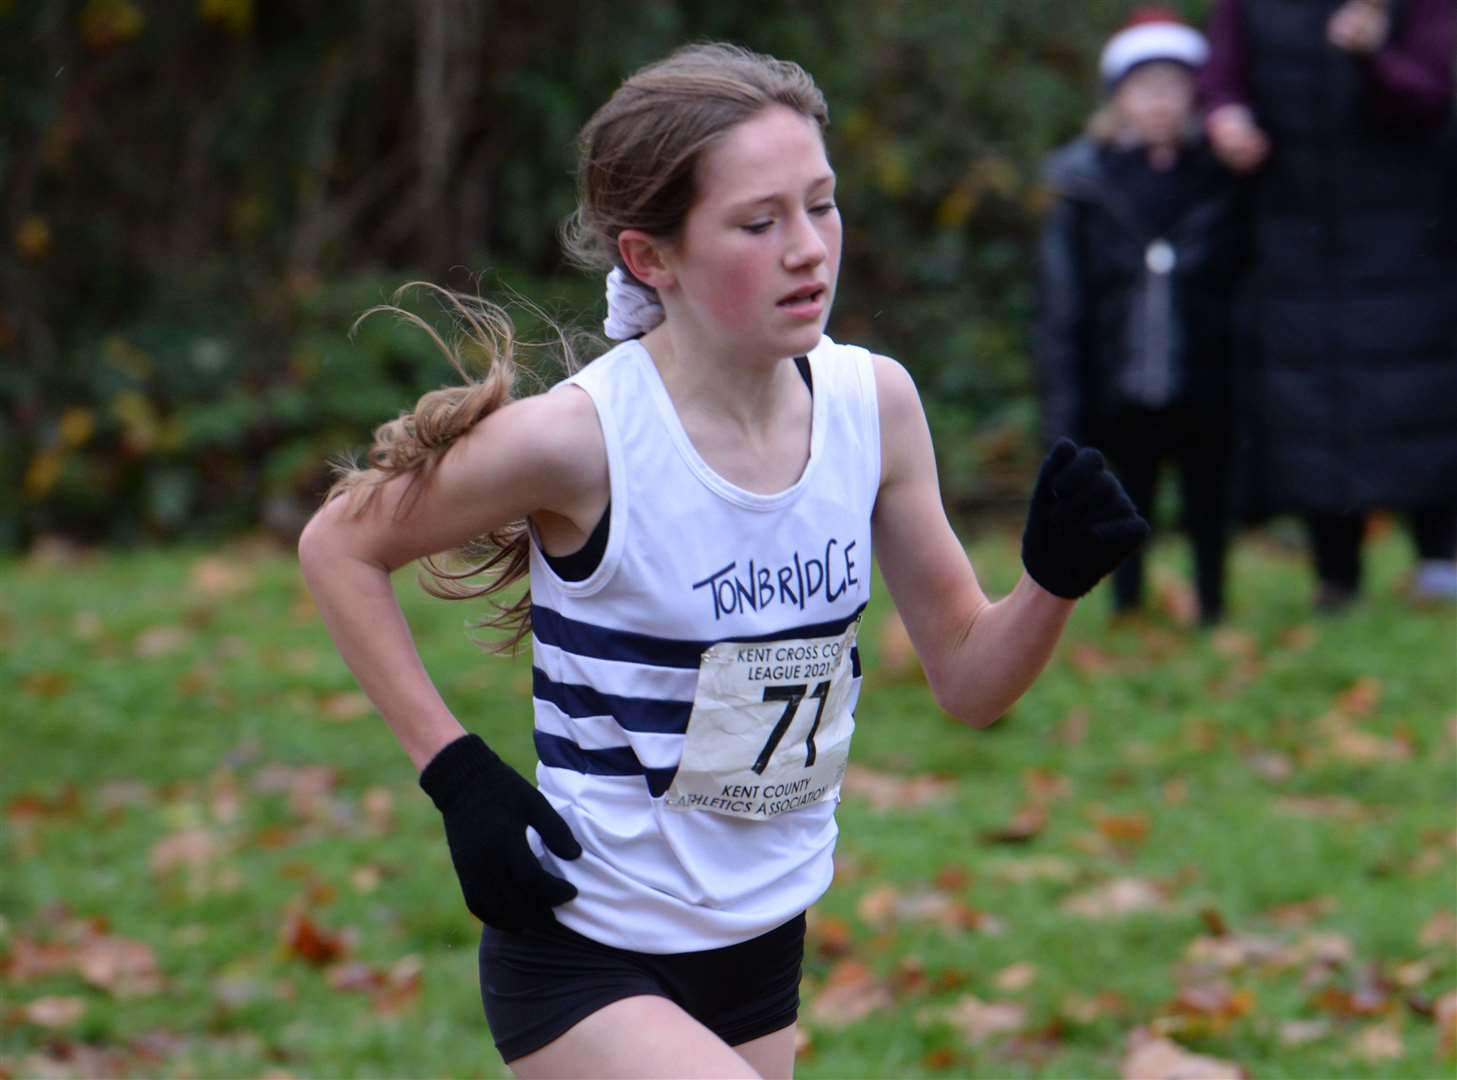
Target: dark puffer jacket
(1131,315)
(1354,293)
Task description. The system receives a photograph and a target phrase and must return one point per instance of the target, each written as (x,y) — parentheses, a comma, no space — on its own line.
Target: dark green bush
(199,199)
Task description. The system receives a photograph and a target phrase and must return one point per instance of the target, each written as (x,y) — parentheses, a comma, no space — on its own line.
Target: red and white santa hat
(1151,33)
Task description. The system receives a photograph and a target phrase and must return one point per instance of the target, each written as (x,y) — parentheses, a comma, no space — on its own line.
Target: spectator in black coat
(1137,261)
(1341,112)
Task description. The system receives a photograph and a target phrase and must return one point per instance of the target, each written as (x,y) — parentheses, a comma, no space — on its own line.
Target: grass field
(1238,844)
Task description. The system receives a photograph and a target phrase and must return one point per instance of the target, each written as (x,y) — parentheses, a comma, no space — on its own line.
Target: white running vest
(691,561)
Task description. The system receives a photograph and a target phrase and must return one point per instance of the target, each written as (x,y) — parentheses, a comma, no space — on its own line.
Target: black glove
(1081,523)
(487,806)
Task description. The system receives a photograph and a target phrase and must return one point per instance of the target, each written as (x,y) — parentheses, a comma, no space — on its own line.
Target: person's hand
(1359,26)
(1081,523)
(1236,139)
(487,806)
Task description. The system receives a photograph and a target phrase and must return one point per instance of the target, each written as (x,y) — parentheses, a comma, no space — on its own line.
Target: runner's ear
(646,258)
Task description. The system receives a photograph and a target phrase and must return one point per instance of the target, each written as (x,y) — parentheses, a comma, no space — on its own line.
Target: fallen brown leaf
(1174,595)
(33,806)
(119,965)
(1445,1014)
(1117,898)
(1328,807)
(307,786)
(827,936)
(1298,638)
(191,848)
(1090,661)
(1231,952)
(1074,727)
(1301,912)
(978,1020)
(939,1060)
(1300,1032)
(1235,644)
(1149,1057)
(63,1059)
(1440,931)
(851,991)
(345,706)
(216,577)
(1015,977)
(53,1012)
(1379,1042)
(952,878)
(897,656)
(1123,829)
(379,809)
(887,791)
(29,959)
(1361,697)
(1412,974)
(1269,765)
(1036,868)
(306,940)
(1350,743)
(1209,1007)
(160,641)
(1027,824)
(1085,1009)
(46,684)
(401,990)
(1367,996)
(1045,786)
(887,904)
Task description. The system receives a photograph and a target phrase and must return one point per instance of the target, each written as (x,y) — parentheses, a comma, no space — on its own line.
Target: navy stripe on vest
(631,713)
(561,753)
(587,639)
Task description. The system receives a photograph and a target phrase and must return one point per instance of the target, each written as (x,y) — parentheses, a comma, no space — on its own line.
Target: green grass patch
(216,861)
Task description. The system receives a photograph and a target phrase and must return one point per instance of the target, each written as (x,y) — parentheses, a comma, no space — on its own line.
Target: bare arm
(979,656)
(541,455)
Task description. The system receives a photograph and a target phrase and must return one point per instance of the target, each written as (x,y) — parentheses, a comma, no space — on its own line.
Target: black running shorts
(538,983)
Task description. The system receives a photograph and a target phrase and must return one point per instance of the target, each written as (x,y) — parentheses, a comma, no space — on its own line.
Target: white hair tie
(632,307)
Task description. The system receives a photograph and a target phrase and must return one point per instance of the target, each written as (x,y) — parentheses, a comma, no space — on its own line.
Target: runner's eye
(757,227)
(821,209)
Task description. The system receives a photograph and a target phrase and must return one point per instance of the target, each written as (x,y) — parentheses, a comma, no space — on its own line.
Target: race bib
(770,728)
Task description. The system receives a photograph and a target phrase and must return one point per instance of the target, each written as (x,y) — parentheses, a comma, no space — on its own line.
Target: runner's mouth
(807,295)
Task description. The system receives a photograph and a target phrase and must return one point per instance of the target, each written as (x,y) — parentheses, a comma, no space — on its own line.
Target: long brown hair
(637,159)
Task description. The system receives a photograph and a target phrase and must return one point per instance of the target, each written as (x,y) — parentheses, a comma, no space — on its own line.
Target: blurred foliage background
(198,197)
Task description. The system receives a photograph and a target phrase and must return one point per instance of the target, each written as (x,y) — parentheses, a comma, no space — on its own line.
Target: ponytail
(414,443)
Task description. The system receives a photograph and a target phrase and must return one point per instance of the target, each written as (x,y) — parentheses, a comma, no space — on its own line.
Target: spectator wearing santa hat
(1136,270)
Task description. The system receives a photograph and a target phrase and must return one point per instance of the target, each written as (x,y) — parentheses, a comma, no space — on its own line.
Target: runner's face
(759,253)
